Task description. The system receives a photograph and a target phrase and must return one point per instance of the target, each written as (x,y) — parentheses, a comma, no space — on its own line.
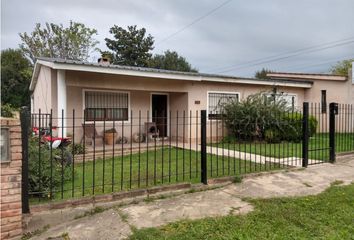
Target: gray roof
(156,70)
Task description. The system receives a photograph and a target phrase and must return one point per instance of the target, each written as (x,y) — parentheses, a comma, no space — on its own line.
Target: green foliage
(292,127)
(272,135)
(7,110)
(170,60)
(16,74)
(78,148)
(248,119)
(40,171)
(262,74)
(130,46)
(342,68)
(265,118)
(56,41)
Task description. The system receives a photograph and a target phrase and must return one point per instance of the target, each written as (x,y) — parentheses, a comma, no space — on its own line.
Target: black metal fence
(71,157)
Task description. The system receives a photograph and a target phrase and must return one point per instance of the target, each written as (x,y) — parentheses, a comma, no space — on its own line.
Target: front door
(159,112)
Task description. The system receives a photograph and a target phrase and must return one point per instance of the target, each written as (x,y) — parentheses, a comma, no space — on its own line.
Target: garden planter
(110,136)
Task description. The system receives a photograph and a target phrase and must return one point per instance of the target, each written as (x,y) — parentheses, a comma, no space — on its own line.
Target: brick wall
(11,207)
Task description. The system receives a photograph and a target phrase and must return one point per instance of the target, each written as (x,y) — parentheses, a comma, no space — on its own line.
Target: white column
(61,92)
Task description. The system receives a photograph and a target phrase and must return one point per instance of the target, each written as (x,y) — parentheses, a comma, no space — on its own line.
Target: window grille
(107,106)
(217,100)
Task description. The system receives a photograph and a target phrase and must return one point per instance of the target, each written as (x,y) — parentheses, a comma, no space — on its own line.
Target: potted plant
(110,136)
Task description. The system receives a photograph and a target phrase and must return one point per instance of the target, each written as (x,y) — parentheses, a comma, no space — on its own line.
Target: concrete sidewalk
(117,221)
(248,156)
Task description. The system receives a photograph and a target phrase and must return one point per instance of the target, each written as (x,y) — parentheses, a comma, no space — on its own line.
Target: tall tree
(342,67)
(16,74)
(170,60)
(262,74)
(130,46)
(74,42)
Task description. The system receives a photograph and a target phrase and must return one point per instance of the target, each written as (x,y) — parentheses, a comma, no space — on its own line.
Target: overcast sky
(237,38)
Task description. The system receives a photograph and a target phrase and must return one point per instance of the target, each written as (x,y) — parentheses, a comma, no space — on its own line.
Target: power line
(286,57)
(193,22)
(300,67)
(332,60)
(279,55)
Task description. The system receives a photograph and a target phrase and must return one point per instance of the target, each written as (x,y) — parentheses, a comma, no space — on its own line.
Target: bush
(272,136)
(250,118)
(292,126)
(7,110)
(39,184)
(78,148)
(260,117)
(312,125)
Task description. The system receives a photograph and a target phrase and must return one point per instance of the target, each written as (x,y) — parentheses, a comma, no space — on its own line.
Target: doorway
(159,112)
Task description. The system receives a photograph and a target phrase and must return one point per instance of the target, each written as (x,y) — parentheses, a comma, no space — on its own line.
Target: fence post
(24,117)
(305,134)
(333,110)
(203,158)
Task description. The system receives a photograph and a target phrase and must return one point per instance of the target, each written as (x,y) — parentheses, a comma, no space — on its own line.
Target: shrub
(77,148)
(312,125)
(39,184)
(292,126)
(7,110)
(248,119)
(264,118)
(272,135)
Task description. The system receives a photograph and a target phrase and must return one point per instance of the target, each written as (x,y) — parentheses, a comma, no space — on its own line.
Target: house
(111,94)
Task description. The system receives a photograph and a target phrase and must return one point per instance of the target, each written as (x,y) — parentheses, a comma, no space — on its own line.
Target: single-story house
(109,93)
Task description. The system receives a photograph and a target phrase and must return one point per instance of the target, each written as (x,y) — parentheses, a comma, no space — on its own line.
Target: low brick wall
(11,205)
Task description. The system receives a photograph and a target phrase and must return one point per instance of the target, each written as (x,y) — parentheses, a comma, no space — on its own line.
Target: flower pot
(109,138)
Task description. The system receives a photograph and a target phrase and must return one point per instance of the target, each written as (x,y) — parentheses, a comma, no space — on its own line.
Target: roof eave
(161,75)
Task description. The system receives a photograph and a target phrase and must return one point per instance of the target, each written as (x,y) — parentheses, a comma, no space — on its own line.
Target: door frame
(168,109)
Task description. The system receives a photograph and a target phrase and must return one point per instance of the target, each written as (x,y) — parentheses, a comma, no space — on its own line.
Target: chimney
(104,61)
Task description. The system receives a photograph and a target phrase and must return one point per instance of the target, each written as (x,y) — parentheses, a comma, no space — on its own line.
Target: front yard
(328,215)
(163,166)
(318,146)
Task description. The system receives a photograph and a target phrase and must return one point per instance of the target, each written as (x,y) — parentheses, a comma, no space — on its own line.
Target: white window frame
(288,94)
(108,91)
(225,92)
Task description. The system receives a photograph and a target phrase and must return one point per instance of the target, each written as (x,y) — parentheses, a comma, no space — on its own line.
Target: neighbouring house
(106,94)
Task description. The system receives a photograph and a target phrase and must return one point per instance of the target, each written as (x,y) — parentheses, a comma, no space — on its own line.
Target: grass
(328,215)
(165,166)
(344,143)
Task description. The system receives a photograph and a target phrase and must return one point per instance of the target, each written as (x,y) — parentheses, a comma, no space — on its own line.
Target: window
(107,106)
(323,101)
(290,99)
(216,101)
(4,145)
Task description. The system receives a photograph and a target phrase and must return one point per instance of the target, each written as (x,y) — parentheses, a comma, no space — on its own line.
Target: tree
(170,60)
(130,47)
(262,74)
(342,67)
(74,42)
(16,74)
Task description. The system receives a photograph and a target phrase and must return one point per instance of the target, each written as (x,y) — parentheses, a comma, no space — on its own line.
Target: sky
(231,37)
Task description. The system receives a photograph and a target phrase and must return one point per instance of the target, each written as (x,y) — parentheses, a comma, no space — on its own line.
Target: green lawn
(344,143)
(166,166)
(329,215)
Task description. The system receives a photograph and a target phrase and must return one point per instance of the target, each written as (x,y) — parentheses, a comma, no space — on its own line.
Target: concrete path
(117,221)
(289,161)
